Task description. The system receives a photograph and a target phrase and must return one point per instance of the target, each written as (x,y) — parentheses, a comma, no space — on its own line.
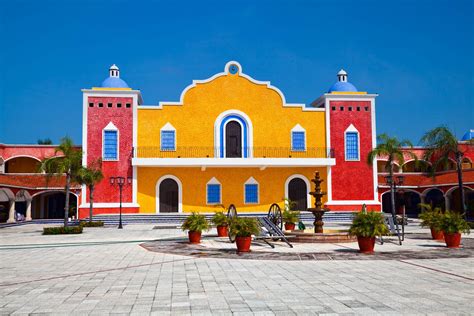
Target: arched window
(233,135)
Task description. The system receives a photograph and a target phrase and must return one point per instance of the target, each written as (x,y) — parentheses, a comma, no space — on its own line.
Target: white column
(28,210)
(11,214)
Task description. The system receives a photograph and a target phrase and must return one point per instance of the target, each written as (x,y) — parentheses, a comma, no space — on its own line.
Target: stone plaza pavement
(107,271)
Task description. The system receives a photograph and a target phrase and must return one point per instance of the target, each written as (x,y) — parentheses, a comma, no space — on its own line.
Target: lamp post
(393,182)
(120,181)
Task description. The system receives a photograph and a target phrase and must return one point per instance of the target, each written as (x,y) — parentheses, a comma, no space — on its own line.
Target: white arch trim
(425,192)
(24,196)
(57,191)
(225,73)
(308,188)
(217,135)
(23,156)
(8,193)
(456,187)
(180,192)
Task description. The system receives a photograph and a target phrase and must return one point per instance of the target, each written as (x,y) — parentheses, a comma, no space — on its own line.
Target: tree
(90,176)
(392,149)
(67,161)
(45,141)
(441,146)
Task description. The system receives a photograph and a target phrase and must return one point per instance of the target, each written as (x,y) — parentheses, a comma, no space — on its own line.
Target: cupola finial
(114,71)
(342,76)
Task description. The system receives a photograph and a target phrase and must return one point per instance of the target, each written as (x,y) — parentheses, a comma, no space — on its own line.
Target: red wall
(351,180)
(97,119)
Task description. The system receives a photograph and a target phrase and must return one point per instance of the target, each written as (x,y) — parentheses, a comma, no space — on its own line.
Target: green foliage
(69,162)
(291,216)
(441,145)
(368,224)
(219,219)
(90,175)
(45,141)
(62,230)
(195,223)
(390,148)
(453,222)
(430,218)
(290,205)
(244,227)
(471,224)
(92,224)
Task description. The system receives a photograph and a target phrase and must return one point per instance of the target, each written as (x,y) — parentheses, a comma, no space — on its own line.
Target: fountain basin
(328,236)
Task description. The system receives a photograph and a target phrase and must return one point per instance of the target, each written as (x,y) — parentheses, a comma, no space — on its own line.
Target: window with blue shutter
(110,145)
(213,193)
(352,146)
(168,140)
(298,141)
(251,193)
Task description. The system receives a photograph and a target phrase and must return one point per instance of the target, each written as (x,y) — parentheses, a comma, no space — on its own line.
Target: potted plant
(453,224)
(222,224)
(290,218)
(195,224)
(431,218)
(243,228)
(366,226)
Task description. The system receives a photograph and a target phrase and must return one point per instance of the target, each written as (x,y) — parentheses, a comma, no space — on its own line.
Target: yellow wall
(194,120)
(271,186)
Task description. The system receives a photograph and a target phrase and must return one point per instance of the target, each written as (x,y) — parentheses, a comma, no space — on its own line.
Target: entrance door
(298,193)
(168,196)
(233,140)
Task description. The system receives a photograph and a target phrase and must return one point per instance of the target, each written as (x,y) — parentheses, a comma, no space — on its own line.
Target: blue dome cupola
(114,81)
(342,85)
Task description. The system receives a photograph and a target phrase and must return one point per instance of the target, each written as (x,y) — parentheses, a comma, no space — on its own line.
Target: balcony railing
(216,152)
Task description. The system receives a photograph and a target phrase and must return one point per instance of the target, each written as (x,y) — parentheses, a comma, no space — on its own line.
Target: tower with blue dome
(342,85)
(114,81)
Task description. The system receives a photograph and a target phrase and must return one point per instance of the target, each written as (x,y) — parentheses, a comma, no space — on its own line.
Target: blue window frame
(110,145)
(168,140)
(298,141)
(213,194)
(251,193)
(352,146)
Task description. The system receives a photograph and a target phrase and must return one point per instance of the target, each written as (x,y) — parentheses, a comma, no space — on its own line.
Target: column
(11,214)
(28,210)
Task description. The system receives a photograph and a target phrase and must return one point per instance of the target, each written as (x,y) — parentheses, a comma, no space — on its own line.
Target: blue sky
(418,55)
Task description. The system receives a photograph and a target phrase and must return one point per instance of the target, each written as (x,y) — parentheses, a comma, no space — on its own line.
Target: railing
(216,152)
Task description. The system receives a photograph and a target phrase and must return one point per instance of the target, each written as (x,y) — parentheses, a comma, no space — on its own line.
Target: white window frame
(298,128)
(252,180)
(352,129)
(110,127)
(168,128)
(214,181)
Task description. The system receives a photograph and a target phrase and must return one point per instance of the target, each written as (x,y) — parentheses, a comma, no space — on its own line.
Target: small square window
(334,108)
(91,105)
(101,105)
(358,108)
(109,105)
(119,105)
(350,108)
(128,105)
(366,109)
(341,108)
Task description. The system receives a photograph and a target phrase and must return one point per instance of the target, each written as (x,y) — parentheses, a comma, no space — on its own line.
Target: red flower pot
(366,244)
(289,226)
(452,240)
(437,234)
(243,243)
(222,231)
(194,237)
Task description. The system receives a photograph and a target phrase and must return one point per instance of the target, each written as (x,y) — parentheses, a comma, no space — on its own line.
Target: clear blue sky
(418,55)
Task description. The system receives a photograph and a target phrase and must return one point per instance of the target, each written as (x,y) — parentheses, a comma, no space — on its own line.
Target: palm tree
(392,149)
(90,176)
(68,163)
(441,146)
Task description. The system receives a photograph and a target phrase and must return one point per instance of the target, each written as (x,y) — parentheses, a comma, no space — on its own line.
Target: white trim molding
(352,202)
(180,192)
(110,205)
(308,187)
(249,127)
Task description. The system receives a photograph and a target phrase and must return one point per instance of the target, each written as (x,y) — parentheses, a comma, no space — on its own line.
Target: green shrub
(453,222)
(430,218)
(291,216)
(92,224)
(195,223)
(62,230)
(471,224)
(368,224)
(244,227)
(219,219)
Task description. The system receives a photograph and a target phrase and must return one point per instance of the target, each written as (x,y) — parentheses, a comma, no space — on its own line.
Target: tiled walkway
(105,271)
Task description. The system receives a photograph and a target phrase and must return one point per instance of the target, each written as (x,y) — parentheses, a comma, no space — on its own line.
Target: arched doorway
(387,202)
(168,196)
(298,193)
(454,199)
(411,201)
(7,200)
(435,198)
(50,205)
(233,140)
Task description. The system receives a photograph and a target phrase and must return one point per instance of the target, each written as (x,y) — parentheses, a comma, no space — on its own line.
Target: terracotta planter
(452,240)
(289,226)
(222,231)
(437,234)
(366,244)
(243,243)
(194,237)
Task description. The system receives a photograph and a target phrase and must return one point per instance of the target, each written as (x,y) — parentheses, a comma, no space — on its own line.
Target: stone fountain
(318,211)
